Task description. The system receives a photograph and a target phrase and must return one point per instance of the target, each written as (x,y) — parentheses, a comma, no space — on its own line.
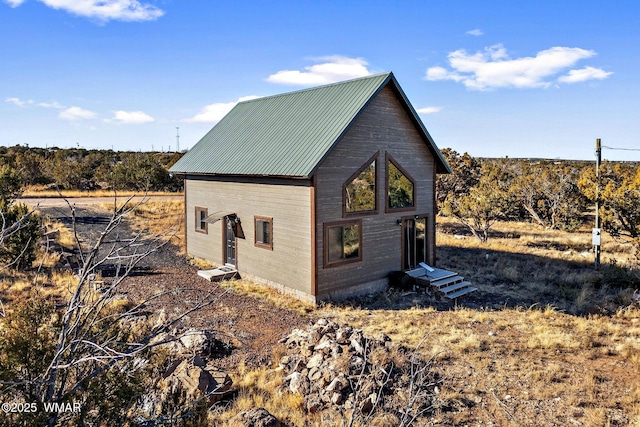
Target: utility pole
(597,231)
(177,139)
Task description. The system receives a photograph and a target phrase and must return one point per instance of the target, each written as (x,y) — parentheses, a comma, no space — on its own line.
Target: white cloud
(493,68)
(475,32)
(76,113)
(14,3)
(333,69)
(103,10)
(429,110)
(584,74)
(18,101)
(213,113)
(53,104)
(131,117)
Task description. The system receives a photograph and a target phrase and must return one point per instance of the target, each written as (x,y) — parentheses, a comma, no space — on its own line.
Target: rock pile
(338,367)
(255,417)
(189,378)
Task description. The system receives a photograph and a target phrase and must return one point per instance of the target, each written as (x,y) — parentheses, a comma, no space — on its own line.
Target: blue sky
(492,78)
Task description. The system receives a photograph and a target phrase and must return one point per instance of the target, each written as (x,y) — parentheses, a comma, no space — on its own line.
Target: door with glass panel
(414,242)
(230,240)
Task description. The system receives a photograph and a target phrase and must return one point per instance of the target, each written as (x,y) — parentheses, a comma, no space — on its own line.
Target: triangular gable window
(359,191)
(401,193)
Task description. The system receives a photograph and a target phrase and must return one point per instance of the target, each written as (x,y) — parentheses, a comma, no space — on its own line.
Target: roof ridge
(370,76)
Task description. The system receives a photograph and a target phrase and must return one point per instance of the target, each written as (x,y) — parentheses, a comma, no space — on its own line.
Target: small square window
(264,232)
(201,215)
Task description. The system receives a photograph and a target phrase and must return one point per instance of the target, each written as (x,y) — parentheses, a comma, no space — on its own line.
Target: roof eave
(441,163)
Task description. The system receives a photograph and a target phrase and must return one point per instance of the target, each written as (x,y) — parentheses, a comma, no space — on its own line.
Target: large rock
(194,382)
(197,341)
(183,384)
(299,383)
(254,417)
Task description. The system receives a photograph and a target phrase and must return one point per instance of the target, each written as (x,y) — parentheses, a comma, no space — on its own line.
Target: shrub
(615,276)
(18,247)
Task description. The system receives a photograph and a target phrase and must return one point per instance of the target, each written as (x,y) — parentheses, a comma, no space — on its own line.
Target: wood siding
(385,127)
(290,262)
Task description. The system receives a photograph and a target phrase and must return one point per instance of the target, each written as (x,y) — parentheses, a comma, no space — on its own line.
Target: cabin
(319,193)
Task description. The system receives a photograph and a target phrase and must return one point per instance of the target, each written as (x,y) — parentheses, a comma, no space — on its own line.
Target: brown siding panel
(385,127)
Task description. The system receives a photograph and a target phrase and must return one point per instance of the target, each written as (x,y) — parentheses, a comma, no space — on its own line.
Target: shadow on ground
(512,280)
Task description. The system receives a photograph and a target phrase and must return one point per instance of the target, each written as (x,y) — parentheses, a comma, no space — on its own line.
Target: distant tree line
(555,194)
(81,169)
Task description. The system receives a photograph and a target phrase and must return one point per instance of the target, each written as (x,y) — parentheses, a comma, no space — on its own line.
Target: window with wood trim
(263,232)
(359,191)
(400,187)
(201,215)
(342,242)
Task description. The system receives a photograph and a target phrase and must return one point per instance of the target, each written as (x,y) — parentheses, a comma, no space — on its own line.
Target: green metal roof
(286,135)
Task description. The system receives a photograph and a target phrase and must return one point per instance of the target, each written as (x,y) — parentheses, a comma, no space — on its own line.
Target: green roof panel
(284,135)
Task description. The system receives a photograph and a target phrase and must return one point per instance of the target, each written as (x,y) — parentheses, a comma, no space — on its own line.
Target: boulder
(315,361)
(255,417)
(184,383)
(195,382)
(197,341)
(339,383)
(299,383)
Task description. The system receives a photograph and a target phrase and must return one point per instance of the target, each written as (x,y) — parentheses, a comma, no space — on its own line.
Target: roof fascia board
(348,126)
(442,166)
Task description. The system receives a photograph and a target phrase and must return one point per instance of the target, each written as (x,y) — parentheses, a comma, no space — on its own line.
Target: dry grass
(39,191)
(265,293)
(159,218)
(55,286)
(262,388)
(524,264)
(543,343)
(533,356)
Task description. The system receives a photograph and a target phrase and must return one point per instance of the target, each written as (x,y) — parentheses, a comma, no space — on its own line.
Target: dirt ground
(247,327)
(485,384)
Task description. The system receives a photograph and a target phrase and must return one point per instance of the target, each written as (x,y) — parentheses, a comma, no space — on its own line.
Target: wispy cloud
(103,10)
(332,69)
(493,68)
(213,113)
(475,32)
(429,110)
(131,117)
(69,113)
(76,113)
(19,102)
(53,104)
(584,74)
(14,3)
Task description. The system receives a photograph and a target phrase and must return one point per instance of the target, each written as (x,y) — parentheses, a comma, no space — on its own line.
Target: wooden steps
(219,274)
(447,283)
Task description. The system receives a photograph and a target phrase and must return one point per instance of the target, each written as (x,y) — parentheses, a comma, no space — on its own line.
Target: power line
(622,149)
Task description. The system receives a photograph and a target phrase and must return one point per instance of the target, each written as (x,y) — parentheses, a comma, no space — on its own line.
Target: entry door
(414,242)
(230,241)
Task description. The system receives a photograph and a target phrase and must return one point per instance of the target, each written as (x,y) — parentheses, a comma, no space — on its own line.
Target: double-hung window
(201,215)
